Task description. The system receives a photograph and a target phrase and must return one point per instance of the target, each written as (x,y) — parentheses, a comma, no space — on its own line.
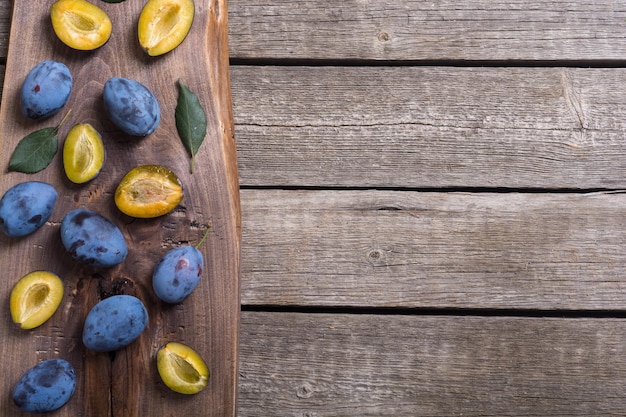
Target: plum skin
(46,89)
(92,239)
(26,207)
(45,387)
(131,106)
(177,274)
(114,323)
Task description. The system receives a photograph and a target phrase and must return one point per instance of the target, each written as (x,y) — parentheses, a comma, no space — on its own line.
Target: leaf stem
(206,234)
(63,120)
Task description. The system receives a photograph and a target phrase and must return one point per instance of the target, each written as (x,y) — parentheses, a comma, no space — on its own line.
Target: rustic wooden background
(433,221)
(127,383)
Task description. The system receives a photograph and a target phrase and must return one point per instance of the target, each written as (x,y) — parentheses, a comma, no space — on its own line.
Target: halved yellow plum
(182,369)
(83,153)
(35,298)
(148,191)
(164,24)
(80,24)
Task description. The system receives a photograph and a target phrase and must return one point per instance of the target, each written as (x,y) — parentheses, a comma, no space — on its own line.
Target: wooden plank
(373,366)
(6,7)
(434,250)
(428,127)
(418,30)
(126,383)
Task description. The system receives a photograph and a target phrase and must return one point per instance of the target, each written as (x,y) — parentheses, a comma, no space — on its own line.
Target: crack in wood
(573,99)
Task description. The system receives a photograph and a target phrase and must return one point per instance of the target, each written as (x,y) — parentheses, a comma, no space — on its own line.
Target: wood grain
(127,383)
(401,30)
(6,8)
(434,250)
(408,128)
(425,127)
(371,366)
(406,30)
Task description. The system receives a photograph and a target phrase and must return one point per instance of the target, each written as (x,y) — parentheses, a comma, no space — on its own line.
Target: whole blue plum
(45,90)
(114,323)
(131,106)
(92,239)
(45,387)
(177,274)
(25,207)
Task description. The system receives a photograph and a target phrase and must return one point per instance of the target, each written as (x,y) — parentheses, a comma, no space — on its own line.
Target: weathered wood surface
(407,30)
(421,128)
(413,30)
(399,366)
(127,383)
(434,250)
(429,127)
(6,7)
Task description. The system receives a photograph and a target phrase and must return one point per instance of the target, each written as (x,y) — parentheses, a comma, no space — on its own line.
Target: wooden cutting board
(126,383)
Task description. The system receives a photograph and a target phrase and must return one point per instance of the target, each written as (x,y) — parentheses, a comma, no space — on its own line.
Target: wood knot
(304,391)
(377,257)
(114,286)
(384,37)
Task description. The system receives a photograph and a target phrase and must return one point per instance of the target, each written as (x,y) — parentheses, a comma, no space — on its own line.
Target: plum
(177,274)
(45,387)
(182,369)
(164,24)
(45,90)
(35,298)
(80,24)
(114,323)
(83,153)
(148,191)
(25,207)
(131,106)
(92,239)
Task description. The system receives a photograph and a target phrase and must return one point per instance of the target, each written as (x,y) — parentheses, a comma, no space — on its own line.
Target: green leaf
(36,150)
(190,120)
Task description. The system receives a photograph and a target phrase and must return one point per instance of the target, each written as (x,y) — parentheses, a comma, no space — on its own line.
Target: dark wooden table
(433,216)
